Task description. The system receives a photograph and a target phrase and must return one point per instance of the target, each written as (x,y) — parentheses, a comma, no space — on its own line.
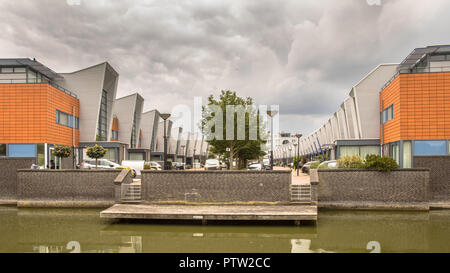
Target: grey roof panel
(33,64)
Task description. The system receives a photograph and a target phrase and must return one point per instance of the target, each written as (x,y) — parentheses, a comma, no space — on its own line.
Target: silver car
(332,164)
(212,165)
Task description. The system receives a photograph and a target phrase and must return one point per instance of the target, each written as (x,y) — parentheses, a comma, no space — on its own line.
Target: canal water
(67,230)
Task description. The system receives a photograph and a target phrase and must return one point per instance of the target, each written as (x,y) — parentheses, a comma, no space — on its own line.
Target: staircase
(300,194)
(131,193)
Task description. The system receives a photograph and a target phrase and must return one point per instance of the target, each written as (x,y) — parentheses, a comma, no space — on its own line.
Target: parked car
(212,165)
(307,166)
(256,167)
(332,164)
(154,165)
(178,165)
(102,164)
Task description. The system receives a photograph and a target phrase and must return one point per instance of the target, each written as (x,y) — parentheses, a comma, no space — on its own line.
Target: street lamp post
(271,114)
(298,136)
(165,117)
(295,154)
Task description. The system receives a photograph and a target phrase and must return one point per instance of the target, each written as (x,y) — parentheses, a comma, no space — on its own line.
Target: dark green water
(38,230)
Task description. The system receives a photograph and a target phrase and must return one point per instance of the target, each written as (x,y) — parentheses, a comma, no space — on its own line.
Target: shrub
(351,162)
(147,167)
(382,164)
(96,153)
(315,166)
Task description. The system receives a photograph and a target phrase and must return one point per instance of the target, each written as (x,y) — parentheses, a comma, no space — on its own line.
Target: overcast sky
(304,55)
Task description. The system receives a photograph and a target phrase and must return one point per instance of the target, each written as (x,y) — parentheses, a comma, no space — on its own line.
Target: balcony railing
(24,81)
(418,71)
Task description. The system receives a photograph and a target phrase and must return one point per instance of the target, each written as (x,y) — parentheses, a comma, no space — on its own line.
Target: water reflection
(68,230)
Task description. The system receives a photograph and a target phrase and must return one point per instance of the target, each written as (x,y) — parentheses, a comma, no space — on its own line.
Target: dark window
(2,149)
(103,118)
(115,135)
(134,130)
(388,114)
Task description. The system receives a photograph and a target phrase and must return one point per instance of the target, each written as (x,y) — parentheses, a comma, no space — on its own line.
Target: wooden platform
(204,213)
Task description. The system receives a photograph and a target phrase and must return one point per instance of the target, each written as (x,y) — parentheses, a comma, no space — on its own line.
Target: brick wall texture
(8,176)
(406,186)
(220,186)
(421,107)
(28,114)
(439,175)
(71,188)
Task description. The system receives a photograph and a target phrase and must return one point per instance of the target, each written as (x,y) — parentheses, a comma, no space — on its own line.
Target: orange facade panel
(421,107)
(28,114)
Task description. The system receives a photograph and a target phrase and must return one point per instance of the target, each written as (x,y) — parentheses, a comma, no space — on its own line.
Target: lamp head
(165,116)
(272,113)
(298,135)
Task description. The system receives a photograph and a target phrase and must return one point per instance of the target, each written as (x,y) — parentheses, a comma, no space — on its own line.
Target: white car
(155,165)
(255,167)
(212,165)
(332,164)
(102,164)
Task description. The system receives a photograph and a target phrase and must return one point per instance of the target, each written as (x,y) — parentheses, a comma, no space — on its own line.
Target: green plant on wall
(97,152)
(62,152)
(351,162)
(382,164)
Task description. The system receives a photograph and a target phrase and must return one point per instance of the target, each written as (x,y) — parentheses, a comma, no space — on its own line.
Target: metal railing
(24,81)
(417,71)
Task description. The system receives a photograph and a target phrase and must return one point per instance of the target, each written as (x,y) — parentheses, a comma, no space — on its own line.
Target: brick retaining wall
(66,188)
(216,186)
(364,189)
(439,175)
(8,177)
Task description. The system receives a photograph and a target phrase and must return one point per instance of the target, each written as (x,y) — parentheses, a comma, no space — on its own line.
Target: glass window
(41,155)
(407,154)
(7,70)
(136,156)
(32,76)
(437,58)
(63,119)
(349,150)
(111,154)
(103,117)
(2,149)
(20,70)
(66,119)
(22,150)
(438,147)
(369,150)
(387,114)
(395,152)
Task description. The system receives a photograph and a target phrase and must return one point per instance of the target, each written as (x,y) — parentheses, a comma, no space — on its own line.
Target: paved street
(303,179)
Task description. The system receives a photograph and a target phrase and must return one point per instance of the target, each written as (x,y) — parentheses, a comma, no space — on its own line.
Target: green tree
(62,152)
(96,153)
(235,148)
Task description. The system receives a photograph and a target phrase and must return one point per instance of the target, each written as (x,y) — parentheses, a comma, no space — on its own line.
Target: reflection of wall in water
(351,231)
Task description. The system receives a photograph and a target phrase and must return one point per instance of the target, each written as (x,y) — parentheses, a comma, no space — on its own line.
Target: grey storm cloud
(302,55)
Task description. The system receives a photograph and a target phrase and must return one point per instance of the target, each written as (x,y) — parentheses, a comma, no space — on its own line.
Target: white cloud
(302,55)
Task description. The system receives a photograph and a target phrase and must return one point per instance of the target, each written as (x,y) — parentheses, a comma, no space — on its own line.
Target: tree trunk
(231,157)
(96,163)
